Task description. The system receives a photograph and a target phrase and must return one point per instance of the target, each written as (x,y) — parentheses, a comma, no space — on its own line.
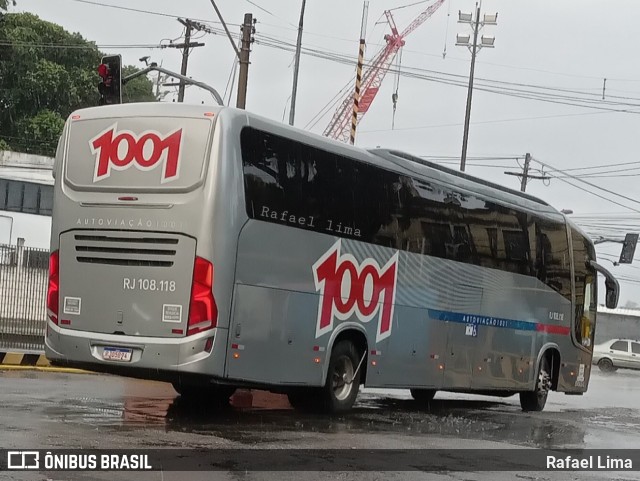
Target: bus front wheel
(535,400)
(343,378)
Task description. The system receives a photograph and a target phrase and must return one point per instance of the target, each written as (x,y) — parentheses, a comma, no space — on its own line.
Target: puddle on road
(479,419)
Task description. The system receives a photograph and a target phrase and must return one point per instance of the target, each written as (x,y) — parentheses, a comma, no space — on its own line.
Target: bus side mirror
(613,288)
(612,295)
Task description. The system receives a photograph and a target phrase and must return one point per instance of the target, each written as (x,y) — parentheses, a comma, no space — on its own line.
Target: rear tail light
(54,286)
(203,312)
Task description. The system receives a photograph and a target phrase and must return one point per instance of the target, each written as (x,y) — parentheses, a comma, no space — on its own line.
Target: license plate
(116,354)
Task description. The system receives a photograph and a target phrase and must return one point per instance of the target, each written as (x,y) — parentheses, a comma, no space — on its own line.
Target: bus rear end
(131,267)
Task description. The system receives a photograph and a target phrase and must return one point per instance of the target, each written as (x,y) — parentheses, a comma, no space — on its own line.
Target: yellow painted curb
(68,370)
(13,358)
(19,361)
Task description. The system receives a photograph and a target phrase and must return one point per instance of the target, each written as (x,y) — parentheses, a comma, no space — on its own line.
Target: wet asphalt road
(59,410)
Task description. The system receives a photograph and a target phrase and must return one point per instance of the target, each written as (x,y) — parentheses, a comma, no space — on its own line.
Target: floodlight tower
(464,40)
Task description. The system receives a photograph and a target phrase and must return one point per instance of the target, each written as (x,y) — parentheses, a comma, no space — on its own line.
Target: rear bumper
(152,357)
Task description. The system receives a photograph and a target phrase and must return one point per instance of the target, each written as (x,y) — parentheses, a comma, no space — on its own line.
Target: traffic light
(110,87)
(628,249)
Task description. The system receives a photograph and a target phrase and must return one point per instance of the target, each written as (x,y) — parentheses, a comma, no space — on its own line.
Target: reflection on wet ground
(129,407)
(479,420)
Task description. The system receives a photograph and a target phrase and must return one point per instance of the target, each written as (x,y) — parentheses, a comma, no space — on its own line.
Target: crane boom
(423,17)
(340,125)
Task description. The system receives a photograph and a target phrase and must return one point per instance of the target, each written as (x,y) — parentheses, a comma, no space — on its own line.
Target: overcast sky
(559,50)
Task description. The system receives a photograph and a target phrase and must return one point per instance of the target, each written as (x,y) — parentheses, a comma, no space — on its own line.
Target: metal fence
(23,292)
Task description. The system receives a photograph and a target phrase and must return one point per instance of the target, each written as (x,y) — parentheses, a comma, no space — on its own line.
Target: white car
(617,353)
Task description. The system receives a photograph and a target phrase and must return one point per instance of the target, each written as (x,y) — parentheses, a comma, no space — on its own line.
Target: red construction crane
(340,125)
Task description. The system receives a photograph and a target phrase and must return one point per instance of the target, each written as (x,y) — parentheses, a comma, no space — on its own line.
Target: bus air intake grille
(124,262)
(138,240)
(118,250)
(126,250)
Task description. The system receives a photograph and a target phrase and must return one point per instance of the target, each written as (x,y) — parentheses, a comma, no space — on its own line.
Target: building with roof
(617,323)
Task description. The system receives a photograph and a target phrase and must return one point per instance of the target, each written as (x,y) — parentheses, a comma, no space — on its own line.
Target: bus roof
(412,158)
(144,109)
(405,163)
(385,158)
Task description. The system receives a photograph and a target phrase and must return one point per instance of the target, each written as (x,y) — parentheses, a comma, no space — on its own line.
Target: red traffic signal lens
(103,70)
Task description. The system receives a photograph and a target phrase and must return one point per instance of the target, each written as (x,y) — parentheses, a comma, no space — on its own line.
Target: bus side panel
(275,307)
(272,340)
(402,359)
(503,355)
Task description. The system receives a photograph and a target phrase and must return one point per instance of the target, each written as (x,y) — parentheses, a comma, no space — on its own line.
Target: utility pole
(247,31)
(525,172)
(525,176)
(292,111)
(356,92)
(185,46)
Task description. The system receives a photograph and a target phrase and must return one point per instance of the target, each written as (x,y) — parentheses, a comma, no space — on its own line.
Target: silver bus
(215,249)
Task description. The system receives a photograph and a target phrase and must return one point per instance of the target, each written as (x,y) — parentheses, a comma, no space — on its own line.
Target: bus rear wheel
(535,400)
(423,395)
(343,378)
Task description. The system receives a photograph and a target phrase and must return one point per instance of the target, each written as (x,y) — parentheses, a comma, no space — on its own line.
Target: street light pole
(463,40)
(465,137)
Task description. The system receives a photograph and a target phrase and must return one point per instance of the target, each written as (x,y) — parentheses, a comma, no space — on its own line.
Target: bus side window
(552,252)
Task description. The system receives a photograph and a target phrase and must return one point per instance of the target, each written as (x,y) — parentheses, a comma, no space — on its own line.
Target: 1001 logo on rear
(120,150)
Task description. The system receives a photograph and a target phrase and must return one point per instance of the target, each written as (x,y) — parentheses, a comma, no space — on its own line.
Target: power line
(466,60)
(591,97)
(163,14)
(553,169)
(597,175)
(137,10)
(269,13)
(598,195)
(78,46)
(496,121)
(456,80)
(606,165)
(500,90)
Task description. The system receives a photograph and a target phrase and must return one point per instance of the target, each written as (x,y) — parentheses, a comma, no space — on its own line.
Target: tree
(45,74)
(137,90)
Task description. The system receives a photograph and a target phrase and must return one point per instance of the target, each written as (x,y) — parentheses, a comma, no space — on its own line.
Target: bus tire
(423,395)
(343,382)
(535,400)
(606,365)
(205,393)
